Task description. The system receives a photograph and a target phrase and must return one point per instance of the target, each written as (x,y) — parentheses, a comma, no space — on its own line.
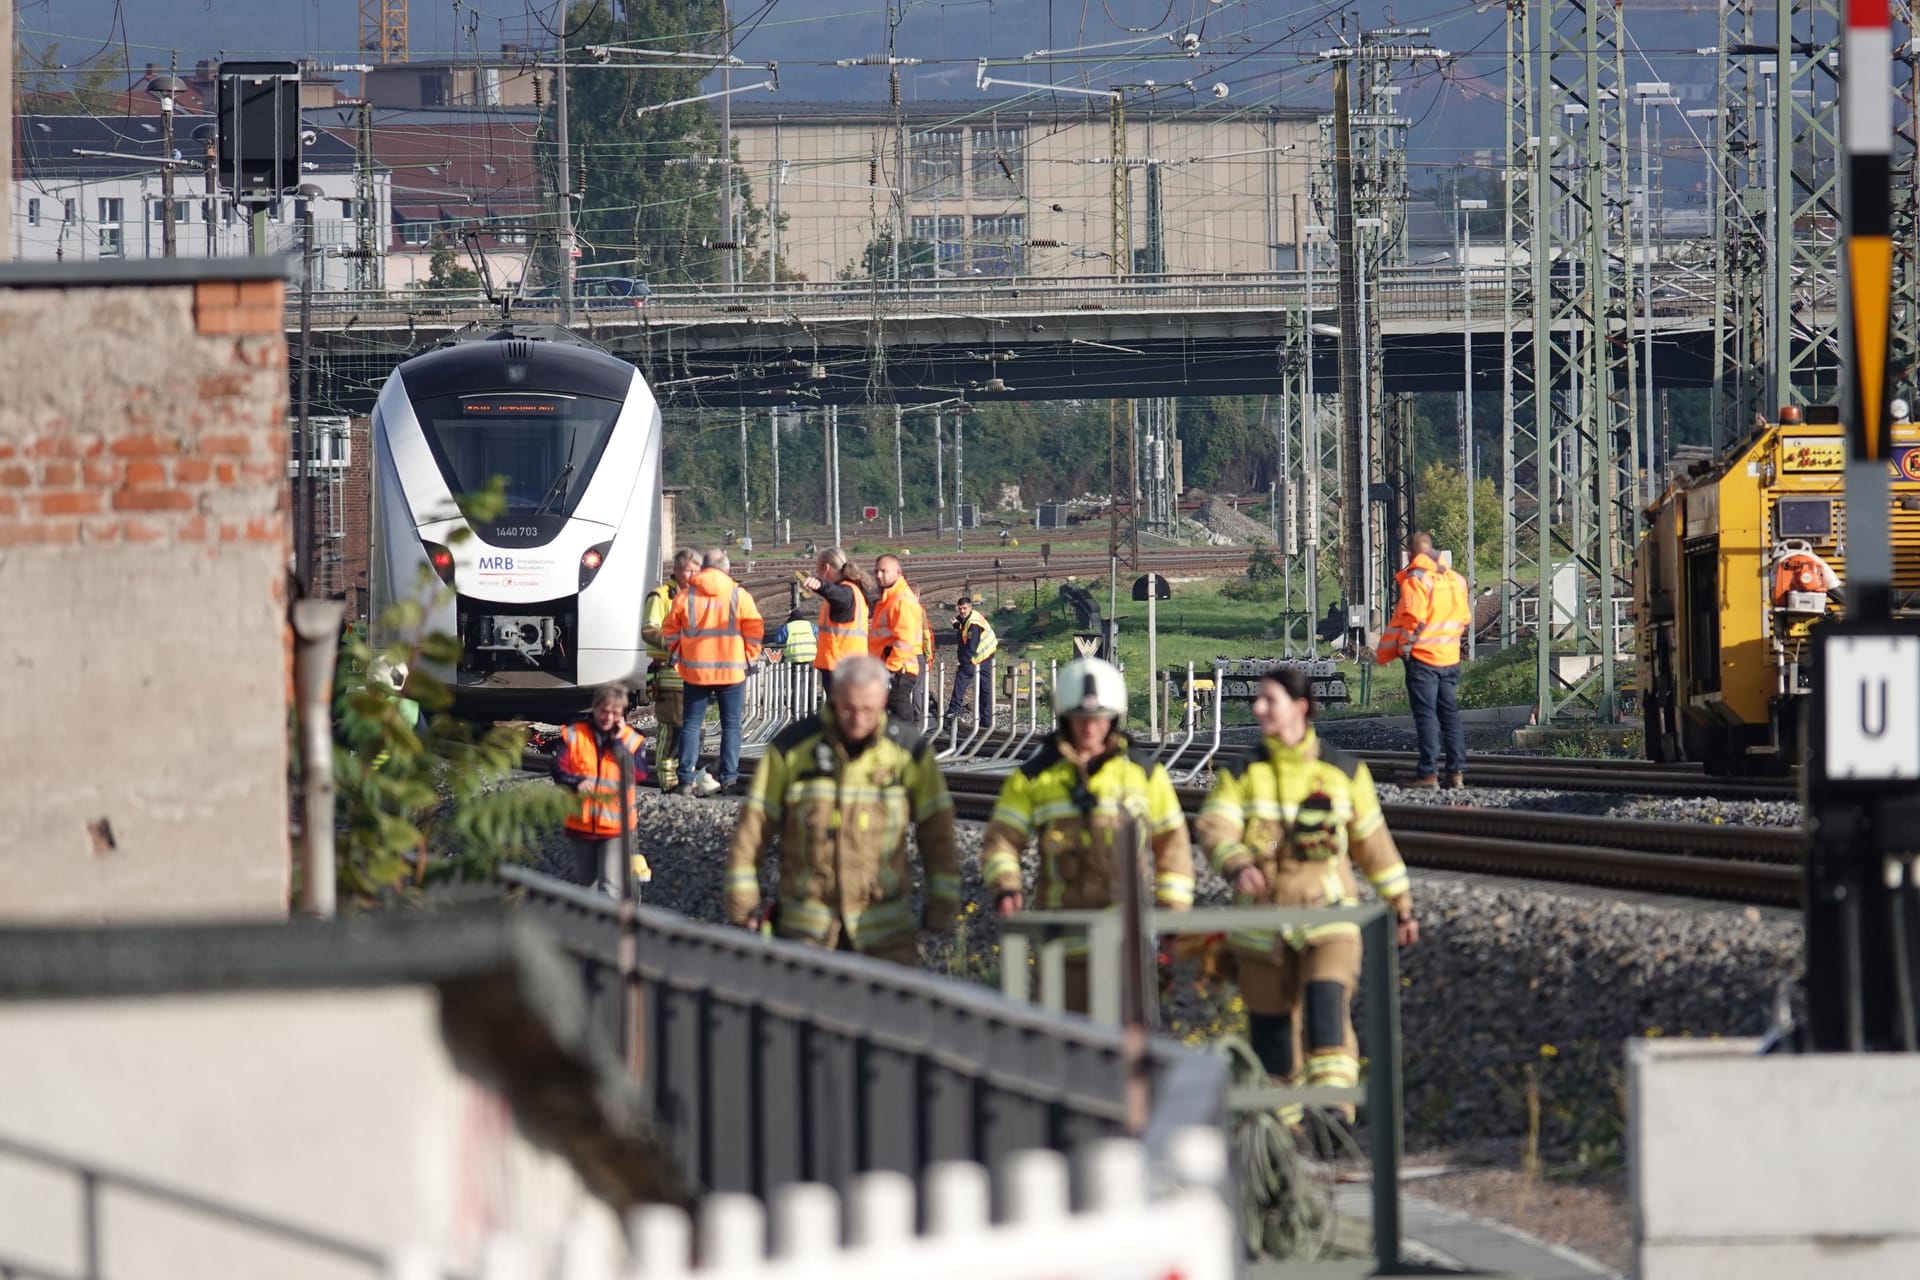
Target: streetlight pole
(164,87)
(1466,405)
(303,506)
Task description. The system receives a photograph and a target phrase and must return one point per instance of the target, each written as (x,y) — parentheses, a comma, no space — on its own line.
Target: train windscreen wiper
(558,487)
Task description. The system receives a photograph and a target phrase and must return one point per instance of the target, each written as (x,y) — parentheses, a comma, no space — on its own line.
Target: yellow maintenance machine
(1738,561)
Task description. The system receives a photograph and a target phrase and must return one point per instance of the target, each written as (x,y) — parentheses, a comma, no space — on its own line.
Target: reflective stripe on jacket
(842,819)
(580,757)
(982,644)
(893,633)
(838,639)
(1037,803)
(1305,815)
(1431,618)
(714,630)
(801,643)
(659,604)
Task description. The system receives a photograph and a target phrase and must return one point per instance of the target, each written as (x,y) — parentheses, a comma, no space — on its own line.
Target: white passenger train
(548,598)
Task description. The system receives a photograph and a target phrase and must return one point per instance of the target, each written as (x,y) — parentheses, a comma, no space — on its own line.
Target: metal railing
(772,1063)
(1401,293)
(1046,936)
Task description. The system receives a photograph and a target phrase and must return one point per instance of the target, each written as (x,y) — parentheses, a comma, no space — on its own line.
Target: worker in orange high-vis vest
(1429,622)
(598,758)
(713,630)
(846,607)
(895,636)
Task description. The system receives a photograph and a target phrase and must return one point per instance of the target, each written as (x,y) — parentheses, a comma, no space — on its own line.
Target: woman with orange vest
(599,758)
(846,607)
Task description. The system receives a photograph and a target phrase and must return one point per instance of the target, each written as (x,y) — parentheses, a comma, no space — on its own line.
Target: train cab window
(1809,518)
(546,446)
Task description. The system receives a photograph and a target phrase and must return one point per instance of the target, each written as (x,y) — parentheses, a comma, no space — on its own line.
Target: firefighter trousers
(1299,1004)
(669,711)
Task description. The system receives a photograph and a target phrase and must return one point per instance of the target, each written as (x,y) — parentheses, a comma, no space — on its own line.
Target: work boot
(1427,782)
(684,789)
(1456,780)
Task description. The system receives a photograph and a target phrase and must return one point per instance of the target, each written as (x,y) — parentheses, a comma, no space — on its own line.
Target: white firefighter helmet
(1089,687)
(386,674)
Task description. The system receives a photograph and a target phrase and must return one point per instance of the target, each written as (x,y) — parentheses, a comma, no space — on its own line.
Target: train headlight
(441,559)
(590,561)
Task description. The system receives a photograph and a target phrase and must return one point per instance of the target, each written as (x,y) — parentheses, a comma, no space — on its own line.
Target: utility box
(1051,515)
(967,515)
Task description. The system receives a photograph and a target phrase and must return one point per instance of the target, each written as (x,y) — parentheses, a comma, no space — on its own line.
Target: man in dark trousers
(1429,621)
(973,665)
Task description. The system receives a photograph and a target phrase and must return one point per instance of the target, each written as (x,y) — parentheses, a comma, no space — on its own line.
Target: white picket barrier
(1122,1232)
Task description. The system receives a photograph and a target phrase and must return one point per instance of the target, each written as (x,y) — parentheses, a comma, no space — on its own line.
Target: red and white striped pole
(1866,108)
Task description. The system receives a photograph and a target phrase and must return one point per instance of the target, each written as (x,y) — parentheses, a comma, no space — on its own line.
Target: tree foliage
(446,271)
(48,87)
(1441,499)
(418,807)
(638,213)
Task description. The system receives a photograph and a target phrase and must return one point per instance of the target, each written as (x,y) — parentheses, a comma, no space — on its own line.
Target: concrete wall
(143,551)
(1783,1166)
(339,1112)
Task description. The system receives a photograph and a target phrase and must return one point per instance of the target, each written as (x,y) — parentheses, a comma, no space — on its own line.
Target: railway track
(1758,865)
(1559,773)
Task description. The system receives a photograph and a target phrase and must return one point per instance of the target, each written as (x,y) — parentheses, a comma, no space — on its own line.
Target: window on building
(1000,244)
(69,213)
(182,211)
(33,213)
(997,168)
(415,231)
(433,91)
(346,210)
(511,236)
(112,208)
(112,245)
(948,237)
(934,157)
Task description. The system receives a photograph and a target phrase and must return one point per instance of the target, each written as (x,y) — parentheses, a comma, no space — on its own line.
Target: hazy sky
(1263,49)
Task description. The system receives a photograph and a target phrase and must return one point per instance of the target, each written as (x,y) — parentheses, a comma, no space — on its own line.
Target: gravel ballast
(1511,989)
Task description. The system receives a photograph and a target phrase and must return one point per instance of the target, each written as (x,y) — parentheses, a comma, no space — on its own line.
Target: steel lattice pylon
(1806,200)
(1521,506)
(1584,435)
(1739,313)
(1903,338)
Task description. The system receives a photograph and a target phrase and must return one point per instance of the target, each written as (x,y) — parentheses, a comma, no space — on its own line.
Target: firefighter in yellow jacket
(1286,823)
(1071,797)
(663,681)
(841,788)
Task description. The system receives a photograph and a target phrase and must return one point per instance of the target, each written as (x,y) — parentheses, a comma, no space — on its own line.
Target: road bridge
(1025,338)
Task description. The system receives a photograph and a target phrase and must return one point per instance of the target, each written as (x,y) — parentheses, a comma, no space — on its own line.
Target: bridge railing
(771,1063)
(1400,293)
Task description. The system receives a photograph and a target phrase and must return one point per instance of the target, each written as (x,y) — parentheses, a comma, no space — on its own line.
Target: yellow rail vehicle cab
(1738,562)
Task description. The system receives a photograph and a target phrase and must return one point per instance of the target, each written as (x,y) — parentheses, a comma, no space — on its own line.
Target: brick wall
(143,552)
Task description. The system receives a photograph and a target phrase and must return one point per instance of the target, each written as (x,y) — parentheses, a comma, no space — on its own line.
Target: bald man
(894,635)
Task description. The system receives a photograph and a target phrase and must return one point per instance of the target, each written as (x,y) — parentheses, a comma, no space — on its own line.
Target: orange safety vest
(714,630)
(839,639)
(1431,618)
(1800,571)
(580,754)
(898,623)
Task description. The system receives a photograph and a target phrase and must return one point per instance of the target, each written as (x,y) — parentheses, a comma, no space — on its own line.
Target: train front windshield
(546,446)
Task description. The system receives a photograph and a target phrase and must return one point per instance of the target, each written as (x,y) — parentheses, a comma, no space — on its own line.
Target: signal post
(1792,1155)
